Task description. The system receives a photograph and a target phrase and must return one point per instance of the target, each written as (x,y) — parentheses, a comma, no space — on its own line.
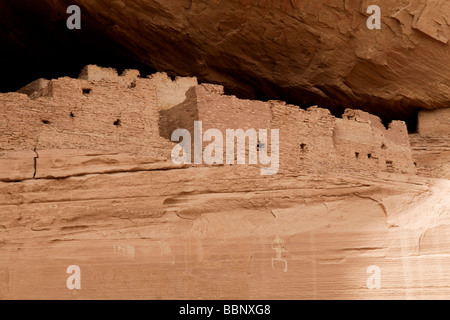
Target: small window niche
(132,85)
(389,166)
(303,147)
(87,91)
(117,123)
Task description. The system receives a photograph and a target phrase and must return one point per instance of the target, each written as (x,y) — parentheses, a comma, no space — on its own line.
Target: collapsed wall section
(181,116)
(171,92)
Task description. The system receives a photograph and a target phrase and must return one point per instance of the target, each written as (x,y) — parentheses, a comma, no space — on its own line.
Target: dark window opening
(87,91)
(356,155)
(383,146)
(117,122)
(45,122)
(303,147)
(72,115)
(415,164)
(369,156)
(390,166)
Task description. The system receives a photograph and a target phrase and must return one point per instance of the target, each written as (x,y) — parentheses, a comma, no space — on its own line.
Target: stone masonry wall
(107,112)
(222,112)
(171,92)
(117,114)
(208,104)
(181,116)
(311,140)
(306,138)
(363,143)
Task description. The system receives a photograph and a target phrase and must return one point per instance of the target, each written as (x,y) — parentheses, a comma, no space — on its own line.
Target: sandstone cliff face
(83,190)
(301,51)
(224,233)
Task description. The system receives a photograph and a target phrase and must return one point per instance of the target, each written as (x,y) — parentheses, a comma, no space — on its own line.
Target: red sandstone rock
(302,51)
(84,190)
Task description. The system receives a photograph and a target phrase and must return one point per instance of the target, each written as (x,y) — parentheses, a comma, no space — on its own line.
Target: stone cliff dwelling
(91,157)
(93,205)
(104,111)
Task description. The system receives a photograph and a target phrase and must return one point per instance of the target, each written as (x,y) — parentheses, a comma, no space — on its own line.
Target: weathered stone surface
(431,145)
(18,165)
(67,163)
(434,123)
(215,233)
(84,190)
(432,155)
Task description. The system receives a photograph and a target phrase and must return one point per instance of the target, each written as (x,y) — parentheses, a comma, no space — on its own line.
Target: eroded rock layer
(224,233)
